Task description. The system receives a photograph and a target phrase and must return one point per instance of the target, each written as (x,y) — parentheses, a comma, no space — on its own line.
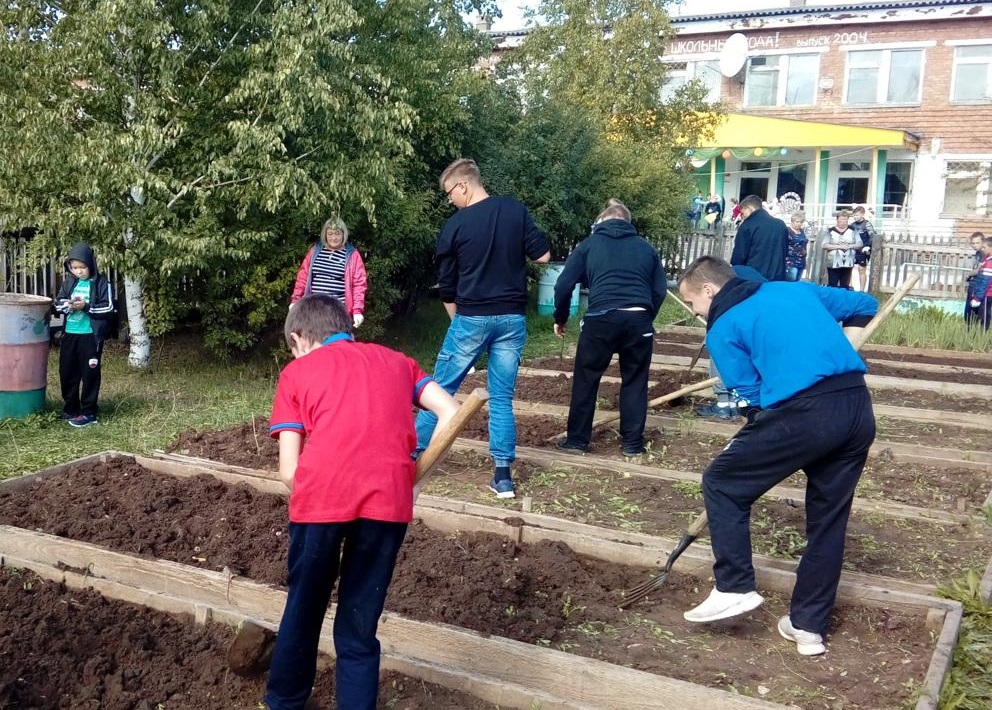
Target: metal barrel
(23,354)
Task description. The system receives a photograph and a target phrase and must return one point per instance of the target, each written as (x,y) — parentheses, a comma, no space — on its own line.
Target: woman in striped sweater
(333,266)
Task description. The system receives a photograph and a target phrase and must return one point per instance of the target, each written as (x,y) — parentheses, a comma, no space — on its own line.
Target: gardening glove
(866,250)
(357,320)
(975,303)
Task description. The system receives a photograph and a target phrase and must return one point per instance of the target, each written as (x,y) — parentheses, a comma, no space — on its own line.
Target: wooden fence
(943,266)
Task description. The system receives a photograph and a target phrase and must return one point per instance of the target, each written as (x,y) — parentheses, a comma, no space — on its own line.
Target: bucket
(23,354)
(546,292)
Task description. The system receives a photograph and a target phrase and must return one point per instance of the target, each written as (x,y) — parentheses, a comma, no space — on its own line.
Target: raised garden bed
(72,648)
(543,594)
(886,539)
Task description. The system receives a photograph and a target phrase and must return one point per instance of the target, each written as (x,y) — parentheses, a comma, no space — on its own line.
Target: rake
(699,524)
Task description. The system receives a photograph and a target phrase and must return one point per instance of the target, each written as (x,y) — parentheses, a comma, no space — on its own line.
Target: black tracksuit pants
(825,432)
(630,334)
(80,362)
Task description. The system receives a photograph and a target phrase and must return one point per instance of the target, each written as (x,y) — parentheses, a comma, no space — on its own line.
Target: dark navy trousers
(630,334)
(827,435)
(363,553)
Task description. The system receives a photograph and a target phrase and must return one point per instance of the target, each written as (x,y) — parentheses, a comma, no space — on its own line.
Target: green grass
(928,327)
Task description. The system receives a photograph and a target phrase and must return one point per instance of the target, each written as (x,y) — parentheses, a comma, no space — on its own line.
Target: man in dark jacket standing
(761,241)
(627,286)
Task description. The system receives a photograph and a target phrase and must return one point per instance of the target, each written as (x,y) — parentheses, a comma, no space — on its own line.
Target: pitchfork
(642,590)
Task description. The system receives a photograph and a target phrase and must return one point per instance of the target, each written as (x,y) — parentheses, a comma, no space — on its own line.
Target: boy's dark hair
(752,201)
(707,269)
(317,317)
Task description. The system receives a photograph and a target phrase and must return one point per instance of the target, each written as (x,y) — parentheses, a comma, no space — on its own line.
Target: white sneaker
(723,605)
(807,643)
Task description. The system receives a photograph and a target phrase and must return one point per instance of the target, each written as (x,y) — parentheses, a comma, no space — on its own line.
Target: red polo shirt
(352,402)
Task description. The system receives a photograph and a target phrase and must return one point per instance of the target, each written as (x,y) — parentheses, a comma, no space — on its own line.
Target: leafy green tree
(596,66)
(199,146)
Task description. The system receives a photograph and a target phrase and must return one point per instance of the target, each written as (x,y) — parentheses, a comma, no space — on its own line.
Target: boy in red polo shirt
(351,494)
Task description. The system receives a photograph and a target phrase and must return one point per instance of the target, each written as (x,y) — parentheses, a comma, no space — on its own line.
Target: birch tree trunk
(137,326)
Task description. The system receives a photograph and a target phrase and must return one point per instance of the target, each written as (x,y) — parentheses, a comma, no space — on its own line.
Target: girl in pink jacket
(334,267)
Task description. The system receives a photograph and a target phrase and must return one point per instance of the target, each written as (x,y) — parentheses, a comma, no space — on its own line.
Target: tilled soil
(669,381)
(548,389)
(543,593)
(67,648)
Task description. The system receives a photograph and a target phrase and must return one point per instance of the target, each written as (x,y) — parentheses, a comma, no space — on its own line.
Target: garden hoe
(251,649)
(860,338)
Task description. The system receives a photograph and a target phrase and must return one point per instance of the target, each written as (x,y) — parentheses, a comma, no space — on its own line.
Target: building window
(884,76)
(681,73)
(972,73)
(967,187)
(898,177)
(782,80)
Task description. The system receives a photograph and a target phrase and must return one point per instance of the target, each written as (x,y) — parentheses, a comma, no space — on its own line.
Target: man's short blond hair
(706,269)
(614,209)
(462,169)
(844,213)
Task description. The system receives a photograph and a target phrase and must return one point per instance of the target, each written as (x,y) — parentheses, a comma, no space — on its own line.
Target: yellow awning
(739,130)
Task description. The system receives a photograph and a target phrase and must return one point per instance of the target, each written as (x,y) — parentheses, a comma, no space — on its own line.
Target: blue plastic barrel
(546,291)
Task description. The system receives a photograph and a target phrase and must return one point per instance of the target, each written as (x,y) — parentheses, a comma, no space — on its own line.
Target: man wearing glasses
(482,254)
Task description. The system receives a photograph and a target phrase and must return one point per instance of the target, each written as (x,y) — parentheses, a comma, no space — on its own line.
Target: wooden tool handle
(445,438)
(688,389)
(889,306)
(698,525)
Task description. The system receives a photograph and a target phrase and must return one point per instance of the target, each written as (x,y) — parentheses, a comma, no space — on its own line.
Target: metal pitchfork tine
(637,593)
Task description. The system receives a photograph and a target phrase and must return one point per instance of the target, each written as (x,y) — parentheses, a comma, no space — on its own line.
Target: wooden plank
(941,660)
(265,481)
(29,479)
(870,349)
(914,453)
(586,461)
(499,663)
(639,550)
(952,389)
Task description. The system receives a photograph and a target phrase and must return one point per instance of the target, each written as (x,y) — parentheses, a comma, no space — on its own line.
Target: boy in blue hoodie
(778,347)
(87,302)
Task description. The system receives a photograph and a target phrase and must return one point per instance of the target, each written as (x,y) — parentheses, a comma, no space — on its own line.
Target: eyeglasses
(451,189)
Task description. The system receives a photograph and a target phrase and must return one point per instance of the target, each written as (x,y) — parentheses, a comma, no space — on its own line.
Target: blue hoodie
(772,340)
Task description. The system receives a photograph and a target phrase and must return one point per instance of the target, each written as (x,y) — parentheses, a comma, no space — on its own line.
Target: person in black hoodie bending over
(627,286)
(87,301)
(762,241)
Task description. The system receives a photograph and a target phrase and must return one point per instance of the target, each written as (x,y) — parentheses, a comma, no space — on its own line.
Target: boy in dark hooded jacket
(627,285)
(87,301)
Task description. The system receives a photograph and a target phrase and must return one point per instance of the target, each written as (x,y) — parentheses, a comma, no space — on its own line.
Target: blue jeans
(366,567)
(503,337)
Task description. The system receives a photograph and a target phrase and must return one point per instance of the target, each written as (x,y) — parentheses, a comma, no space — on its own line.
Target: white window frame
(884,69)
(693,65)
(983,207)
(783,70)
(956,44)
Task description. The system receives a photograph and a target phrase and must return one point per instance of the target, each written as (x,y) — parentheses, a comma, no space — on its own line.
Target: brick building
(887,104)
(884,103)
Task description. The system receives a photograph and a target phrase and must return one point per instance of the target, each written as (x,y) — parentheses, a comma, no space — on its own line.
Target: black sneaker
(65,416)
(566,445)
(631,453)
(82,420)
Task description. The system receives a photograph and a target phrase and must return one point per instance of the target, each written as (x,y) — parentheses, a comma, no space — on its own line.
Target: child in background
(864,229)
(87,301)
(973,298)
(351,494)
(982,296)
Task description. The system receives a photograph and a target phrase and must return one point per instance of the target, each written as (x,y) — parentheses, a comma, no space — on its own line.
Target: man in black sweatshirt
(761,241)
(482,255)
(627,286)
